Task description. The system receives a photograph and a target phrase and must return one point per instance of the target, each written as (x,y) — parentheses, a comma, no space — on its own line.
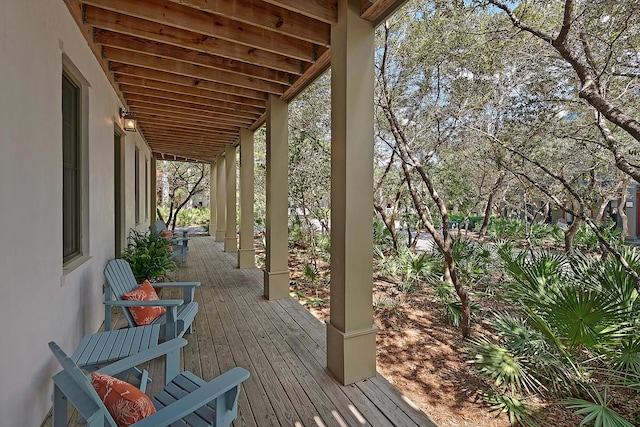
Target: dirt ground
(423,356)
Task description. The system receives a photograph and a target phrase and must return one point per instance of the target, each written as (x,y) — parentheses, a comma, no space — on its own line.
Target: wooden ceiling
(197,71)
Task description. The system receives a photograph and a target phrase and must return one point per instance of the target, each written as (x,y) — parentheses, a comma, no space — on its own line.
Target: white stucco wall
(39,302)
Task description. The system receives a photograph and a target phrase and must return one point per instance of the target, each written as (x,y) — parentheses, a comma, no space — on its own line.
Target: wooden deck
(283,347)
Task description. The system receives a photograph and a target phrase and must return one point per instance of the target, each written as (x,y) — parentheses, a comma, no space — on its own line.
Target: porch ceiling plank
(212,123)
(186,145)
(190,106)
(185,130)
(132,81)
(188,128)
(191,147)
(268,16)
(192,139)
(168,77)
(322,10)
(139,90)
(188,18)
(116,22)
(149,47)
(119,56)
(177,113)
(192,121)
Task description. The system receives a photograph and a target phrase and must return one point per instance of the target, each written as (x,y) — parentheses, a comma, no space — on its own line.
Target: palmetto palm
(575,313)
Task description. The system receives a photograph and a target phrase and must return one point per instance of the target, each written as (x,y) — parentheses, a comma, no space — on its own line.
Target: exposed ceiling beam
(187,18)
(139,90)
(119,56)
(191,119)
(322,10)
(116,22)
(153,107)
(188,90)
(265,15)
(149,47)
(188,128)
(168,77)
(184,105)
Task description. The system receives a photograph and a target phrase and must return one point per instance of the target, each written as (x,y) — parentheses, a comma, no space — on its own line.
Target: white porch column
(276,273)
(213,202)
(230,239)
(246,252)
(351,335)
(221,205)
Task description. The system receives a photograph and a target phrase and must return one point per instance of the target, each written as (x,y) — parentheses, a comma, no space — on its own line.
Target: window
(136,179)
(72,170)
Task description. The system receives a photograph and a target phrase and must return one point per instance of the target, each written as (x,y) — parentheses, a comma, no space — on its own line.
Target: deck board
(280,343)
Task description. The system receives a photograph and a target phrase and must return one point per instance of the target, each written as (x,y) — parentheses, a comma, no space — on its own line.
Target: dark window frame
(71,168)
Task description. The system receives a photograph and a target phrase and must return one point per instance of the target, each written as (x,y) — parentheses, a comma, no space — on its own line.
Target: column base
(220,235)
(276,284)
(246,258)
(351,356)
(230,244)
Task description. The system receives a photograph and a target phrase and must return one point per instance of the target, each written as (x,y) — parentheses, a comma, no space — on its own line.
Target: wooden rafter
(195,72)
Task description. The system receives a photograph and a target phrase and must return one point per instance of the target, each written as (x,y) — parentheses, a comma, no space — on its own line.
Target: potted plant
(149,255)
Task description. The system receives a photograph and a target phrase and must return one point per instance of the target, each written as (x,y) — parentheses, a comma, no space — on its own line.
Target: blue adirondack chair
(185,400)
(180,313)
(179,240)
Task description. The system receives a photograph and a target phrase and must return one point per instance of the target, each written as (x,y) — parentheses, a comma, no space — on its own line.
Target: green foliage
(585,238)
(578,318)
(385,304)
(596,411)
(515,408)
(148,255)
(534,233)
(315,302)
(190,216)
(473,222)
(381,234)
(449,300)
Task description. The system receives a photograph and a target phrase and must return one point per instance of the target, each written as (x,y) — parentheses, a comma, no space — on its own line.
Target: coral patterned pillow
(125,402)
(144,315)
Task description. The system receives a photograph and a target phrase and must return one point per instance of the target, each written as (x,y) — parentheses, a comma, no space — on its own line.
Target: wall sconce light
(129,120)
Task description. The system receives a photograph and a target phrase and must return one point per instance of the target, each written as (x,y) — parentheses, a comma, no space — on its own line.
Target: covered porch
(283,347)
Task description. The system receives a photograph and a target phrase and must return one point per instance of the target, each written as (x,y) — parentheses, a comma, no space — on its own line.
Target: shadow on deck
(283,347)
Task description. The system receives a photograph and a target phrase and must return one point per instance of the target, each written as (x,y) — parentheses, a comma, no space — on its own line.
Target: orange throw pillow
(144,315)
(125,402)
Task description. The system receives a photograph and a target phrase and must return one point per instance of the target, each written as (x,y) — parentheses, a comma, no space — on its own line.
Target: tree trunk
(451,277)
(622,209)
(569,234)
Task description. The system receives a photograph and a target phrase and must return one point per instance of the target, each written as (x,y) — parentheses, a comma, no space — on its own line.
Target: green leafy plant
(149,255)
(515,408)
(315,302)
(596,411)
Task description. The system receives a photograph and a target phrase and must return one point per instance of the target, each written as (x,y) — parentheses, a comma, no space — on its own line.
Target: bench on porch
(186,399)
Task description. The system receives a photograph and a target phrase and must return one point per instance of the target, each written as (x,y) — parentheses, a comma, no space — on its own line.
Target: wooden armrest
(176,284)
(144,356)
(161,302)
(213,389)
